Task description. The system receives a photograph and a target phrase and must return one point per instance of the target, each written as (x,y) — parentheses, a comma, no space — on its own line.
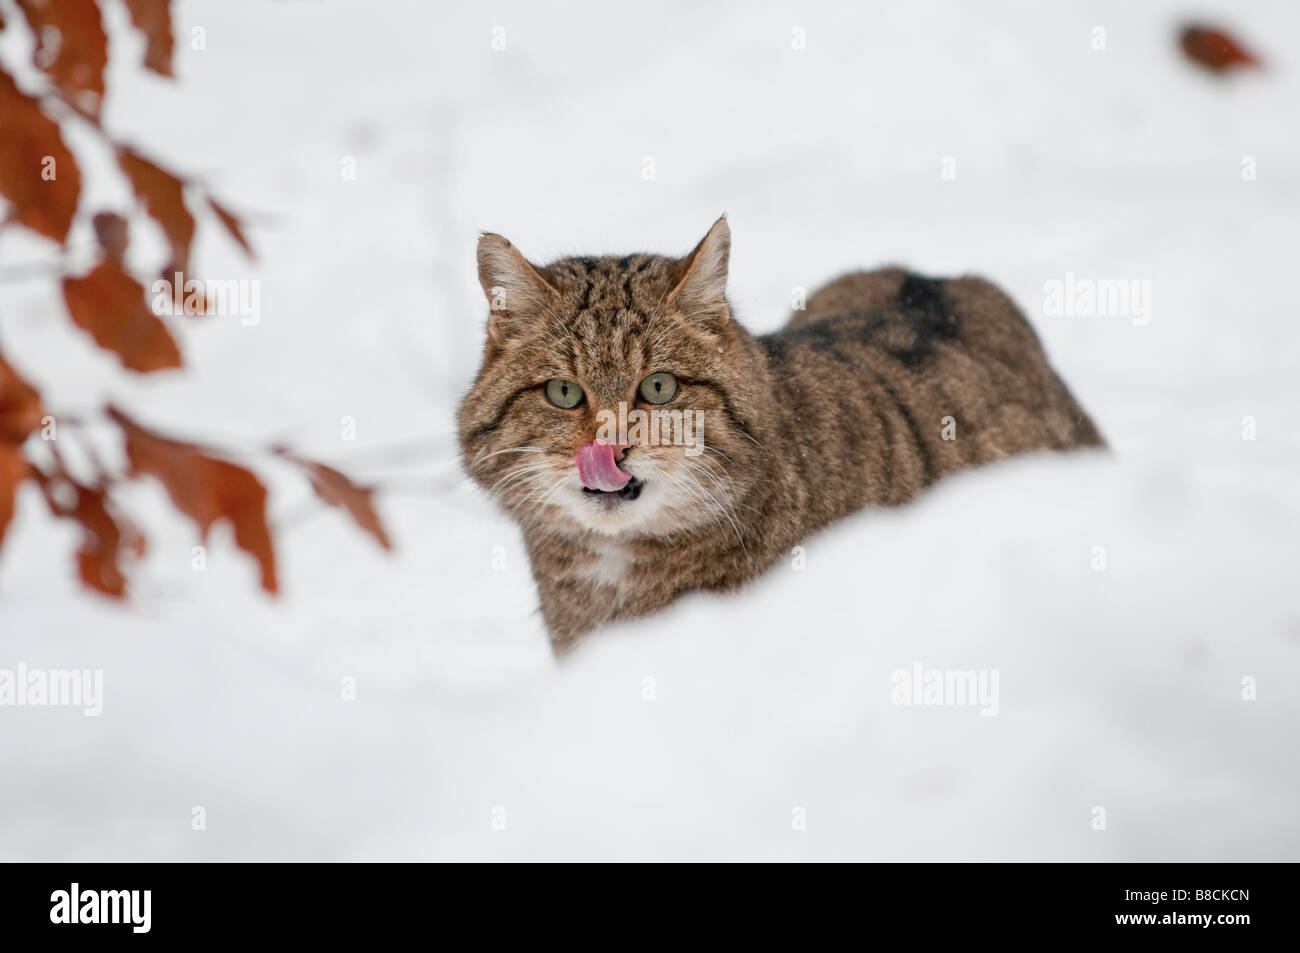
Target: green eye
(659,388)
(564,394)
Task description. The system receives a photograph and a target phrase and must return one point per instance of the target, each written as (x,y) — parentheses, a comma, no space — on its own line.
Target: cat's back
(893,305)
(953,361)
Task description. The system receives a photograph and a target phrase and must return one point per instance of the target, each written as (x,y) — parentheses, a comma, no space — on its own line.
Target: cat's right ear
(515,290)
(702,275)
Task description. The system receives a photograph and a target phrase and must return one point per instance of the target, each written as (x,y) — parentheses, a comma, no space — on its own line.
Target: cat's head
(581,350)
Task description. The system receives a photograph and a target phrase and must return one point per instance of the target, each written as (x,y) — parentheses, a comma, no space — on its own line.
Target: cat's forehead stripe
(609,321)
(611,284)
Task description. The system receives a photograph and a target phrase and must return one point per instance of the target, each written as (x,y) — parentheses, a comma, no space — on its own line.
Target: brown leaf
(111,232)
(337,489)
(71,47)
(111,306)
(233,225)
(37,172)
(1216,50)
(20,414)
(106,537)
(103,542)
(13,470)
(20,406)
(205,489)
(153,18)
(163,195)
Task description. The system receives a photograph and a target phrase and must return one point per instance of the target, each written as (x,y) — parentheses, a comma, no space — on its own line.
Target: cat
(884,383)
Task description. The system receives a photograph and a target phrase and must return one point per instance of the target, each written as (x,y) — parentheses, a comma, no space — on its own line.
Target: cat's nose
(597,468)
(620,451)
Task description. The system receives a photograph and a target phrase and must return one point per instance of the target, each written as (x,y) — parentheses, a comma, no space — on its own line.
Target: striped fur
(847,406)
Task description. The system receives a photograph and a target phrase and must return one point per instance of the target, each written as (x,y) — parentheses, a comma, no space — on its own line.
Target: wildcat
(886,382)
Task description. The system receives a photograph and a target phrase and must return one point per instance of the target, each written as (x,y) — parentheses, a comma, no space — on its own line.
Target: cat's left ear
(702,282)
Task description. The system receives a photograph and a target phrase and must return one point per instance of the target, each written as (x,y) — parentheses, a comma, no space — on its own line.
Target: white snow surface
(754,726)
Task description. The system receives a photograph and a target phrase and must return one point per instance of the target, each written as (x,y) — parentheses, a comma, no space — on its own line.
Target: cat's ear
(515,289)
(702,275)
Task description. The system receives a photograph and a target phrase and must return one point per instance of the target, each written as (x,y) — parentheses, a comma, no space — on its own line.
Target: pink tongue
(597,469)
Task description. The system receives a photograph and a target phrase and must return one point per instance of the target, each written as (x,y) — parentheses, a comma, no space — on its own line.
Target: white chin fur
(631,516)
(659,509)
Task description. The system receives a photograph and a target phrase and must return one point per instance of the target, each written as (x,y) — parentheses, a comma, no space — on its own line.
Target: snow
(754,726)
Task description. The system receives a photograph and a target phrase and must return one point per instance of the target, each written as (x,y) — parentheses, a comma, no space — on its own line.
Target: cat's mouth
(630,491)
